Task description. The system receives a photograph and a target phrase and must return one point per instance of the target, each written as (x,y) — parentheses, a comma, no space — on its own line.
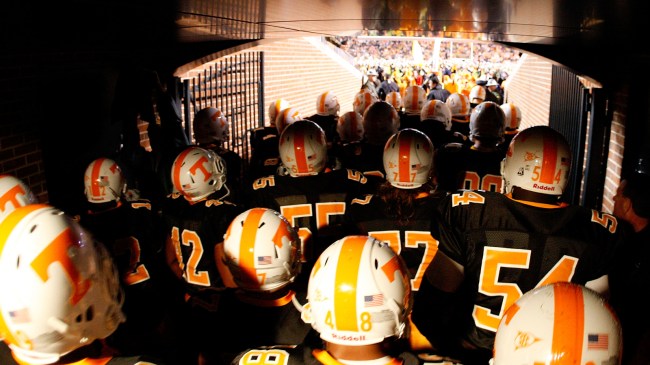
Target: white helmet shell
(561,323)
(14,193)
(363,100)
(262,250)
(198,172)
(513,116)
(477,94)
(275,107)
(408,159)
(438,111)
(538,160)
(327,104)
(303,148)
(285,117)
(104,181)
(350,127)
(358,293)
(458,104)
(394,98)
(414,98)
(60,288)
(210,125)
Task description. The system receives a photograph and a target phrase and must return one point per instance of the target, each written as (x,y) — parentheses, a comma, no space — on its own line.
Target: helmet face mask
(210,125)
(303,148)
(408,159)
(198,172)
(538,160)
(262,250)
(65,291)
(379,304)
(563,322)
(103,181)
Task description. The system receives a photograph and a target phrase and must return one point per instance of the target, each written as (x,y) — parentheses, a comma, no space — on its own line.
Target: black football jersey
(508,248)
(305,355)
(365,157)
(195,229)
(265,155)
(461,167)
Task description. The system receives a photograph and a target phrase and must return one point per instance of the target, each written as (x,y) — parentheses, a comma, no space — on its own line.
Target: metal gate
(234,85)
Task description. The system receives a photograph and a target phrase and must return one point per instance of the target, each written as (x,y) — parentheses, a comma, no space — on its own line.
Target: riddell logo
(348,337)
(542,187)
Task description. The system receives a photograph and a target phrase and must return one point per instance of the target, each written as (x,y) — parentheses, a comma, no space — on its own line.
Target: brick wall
(529,87)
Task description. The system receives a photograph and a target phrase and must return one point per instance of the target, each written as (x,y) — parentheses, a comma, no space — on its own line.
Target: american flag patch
(597,341)
(373,300)
(264,260)
(20,316)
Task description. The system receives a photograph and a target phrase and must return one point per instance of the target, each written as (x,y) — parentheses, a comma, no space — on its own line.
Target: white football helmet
(262,250)
(458,104)
(414,98)
(394,98)
(487,121)
(198,172)
(363,100)
(60,288)
(513,116)
(275,107)
(538,160)
(104,181)
(210,125)
(477,94)
(560,323)
(285,117)
(358,293)
(408,159)
(350,127)
(327,104)
(436,110)
(380,122)
(303,148)
(14,193)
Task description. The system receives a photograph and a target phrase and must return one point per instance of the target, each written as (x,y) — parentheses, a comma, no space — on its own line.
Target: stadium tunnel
(65,64)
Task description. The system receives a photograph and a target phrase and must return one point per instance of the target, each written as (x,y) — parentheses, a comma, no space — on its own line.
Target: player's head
(459,106)
(395,99)
(538,160)
(487,123)
(513,117)
(350,127)
(380,122)
(362,100)
(59,289)
(303,148)
(262,250)
(358,293)
(104,181)
(275,107)
(286,117)
(438,111)
(327,104)
(560,323)
(408,159)
(14,193)
(476,95)
(210,126)
(414,98)
(198,172)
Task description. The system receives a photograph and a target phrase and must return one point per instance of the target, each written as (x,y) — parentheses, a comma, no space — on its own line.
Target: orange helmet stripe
(568,321)
(404,158)
(301,154)
(549,161)
(247,243)
(415,98)
(345,286)
(176,173)
(94,178)
(321,102)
